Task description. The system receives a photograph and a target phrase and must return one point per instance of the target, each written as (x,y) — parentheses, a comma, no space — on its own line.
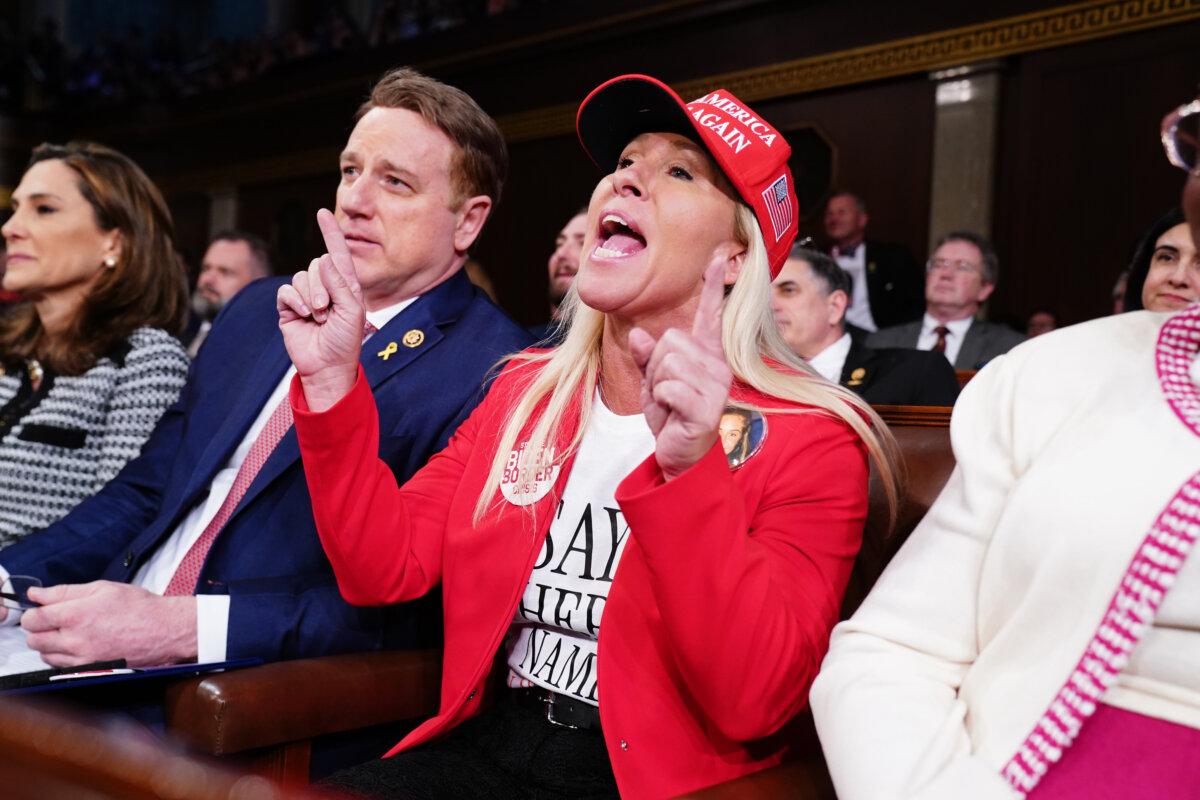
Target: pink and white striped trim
(1148,578)
(1178,343)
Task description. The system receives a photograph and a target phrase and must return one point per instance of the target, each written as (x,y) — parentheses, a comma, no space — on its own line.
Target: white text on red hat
(735,138)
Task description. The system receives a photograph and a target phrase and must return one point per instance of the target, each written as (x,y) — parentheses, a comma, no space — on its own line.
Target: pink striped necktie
(183,582)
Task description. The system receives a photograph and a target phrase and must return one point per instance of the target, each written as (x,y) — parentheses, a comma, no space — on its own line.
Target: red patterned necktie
(940,345)
(183,582)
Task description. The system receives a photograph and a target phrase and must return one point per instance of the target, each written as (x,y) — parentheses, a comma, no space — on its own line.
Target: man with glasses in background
(960,275)
(1063,552)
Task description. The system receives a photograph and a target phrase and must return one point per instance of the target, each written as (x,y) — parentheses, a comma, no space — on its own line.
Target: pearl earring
(110,262)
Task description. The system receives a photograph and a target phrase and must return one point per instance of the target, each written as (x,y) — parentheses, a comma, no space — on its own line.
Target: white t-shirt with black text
(552,642)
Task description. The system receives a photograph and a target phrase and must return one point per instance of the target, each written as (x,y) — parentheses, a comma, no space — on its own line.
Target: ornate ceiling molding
(1042,30)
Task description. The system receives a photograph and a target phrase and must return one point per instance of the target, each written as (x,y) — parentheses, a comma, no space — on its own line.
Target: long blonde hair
(569,372)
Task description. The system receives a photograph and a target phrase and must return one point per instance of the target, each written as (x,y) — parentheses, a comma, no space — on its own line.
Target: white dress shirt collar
(383,316)
(829,362)
(858,252)
(854,262)
(954,339)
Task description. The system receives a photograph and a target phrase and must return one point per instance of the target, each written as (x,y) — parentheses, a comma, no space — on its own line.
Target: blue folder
(40,681)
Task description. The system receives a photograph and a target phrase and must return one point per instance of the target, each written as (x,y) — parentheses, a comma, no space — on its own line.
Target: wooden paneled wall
(1080,172)
(1081,166)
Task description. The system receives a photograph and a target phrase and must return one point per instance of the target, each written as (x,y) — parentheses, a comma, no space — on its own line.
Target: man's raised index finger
(335,245)
(335,240)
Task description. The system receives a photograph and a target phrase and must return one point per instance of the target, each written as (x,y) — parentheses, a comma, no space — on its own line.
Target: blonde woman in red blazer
(724,574)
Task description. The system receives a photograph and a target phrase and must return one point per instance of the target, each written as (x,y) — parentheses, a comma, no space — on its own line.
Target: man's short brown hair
(480,163)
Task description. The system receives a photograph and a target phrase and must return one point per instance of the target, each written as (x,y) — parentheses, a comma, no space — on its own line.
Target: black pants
(507,752)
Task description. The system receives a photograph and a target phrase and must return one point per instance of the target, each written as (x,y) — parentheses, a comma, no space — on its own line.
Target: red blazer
(717,618)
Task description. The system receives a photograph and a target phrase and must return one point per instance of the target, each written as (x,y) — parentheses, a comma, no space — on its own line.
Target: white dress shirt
(954,339)
(212,611)
(829,362)
(855,263)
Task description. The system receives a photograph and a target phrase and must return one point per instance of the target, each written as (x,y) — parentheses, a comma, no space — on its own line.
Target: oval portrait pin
(527,480)
(742,433)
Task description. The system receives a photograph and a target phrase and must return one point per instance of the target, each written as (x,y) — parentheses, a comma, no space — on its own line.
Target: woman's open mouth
(618,238)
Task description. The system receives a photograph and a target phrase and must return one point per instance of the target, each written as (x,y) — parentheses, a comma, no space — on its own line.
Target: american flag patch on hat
(779,205)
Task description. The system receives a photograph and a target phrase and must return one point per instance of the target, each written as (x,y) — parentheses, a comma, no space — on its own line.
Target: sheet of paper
(15,655)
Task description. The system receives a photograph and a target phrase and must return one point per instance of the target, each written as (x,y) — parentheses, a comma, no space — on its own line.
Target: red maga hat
(751,153)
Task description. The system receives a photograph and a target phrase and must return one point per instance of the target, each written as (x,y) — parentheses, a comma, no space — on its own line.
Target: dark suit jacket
(895,284)
(901,377)
(983,342)
(548,334)
(284,602)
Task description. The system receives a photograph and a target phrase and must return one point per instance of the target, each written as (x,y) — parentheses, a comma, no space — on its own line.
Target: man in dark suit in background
(204,548)
(961,274)
(886,279)
(809,299)
(562,267)
(232,261)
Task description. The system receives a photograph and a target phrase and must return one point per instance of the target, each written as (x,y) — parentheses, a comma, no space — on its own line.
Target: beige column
(223,211)
(967,109)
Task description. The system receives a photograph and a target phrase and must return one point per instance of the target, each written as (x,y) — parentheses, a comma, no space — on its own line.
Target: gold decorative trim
(1042,30)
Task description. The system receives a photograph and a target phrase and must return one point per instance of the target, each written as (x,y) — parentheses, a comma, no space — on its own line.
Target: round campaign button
(527,480)
(742,432)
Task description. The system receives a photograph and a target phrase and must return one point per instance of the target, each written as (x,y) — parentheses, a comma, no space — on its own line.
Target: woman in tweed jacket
(89,364)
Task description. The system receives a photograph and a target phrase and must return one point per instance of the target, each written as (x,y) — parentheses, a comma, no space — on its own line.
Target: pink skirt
(1123,755)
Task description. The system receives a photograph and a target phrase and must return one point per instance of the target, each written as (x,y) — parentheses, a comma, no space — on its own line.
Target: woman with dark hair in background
(1165,273)
(89,363)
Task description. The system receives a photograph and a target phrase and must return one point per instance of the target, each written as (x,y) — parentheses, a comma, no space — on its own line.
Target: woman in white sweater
(1024,641)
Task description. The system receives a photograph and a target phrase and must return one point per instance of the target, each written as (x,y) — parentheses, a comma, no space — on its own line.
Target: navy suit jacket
(899,376)
(284,602)
(895,284)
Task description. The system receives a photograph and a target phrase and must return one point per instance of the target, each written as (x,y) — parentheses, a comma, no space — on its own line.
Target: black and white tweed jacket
(84,430)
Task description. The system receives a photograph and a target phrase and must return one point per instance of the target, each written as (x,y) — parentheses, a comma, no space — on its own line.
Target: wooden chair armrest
(50,753)
(803,780)
(288,701)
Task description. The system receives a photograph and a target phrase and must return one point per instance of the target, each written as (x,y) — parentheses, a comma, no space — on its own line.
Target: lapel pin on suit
(413,338)
(856,377)
(388,351)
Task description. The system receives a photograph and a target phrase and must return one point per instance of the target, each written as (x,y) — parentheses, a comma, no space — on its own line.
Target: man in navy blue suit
(204,547)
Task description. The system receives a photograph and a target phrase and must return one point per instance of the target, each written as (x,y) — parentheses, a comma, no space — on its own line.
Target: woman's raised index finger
(706,327)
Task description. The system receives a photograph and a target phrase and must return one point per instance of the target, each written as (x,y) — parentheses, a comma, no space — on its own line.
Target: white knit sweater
(103,416)
(1067,453)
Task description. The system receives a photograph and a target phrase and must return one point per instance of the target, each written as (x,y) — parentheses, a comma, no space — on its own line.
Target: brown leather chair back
(923,434)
